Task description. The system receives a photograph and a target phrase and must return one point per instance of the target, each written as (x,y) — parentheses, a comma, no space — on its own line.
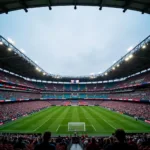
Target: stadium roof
(137,5)
(15,61)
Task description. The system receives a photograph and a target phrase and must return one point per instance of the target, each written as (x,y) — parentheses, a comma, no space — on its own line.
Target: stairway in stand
(76,147)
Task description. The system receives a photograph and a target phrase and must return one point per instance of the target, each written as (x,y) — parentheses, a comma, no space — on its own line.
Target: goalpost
(76,126)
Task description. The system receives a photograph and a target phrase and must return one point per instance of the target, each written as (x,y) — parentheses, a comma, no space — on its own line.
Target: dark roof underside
(137,5)
(20,64)
(23,66)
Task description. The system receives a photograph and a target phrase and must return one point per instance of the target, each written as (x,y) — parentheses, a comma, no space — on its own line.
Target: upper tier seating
(136,80)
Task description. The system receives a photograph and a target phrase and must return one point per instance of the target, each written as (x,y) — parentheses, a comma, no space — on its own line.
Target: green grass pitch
(98,121)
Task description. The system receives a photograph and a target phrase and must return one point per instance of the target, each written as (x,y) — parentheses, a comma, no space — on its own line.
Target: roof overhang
(13,60)
(138,5)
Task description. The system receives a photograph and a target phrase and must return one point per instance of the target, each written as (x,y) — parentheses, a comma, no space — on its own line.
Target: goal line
(76,127)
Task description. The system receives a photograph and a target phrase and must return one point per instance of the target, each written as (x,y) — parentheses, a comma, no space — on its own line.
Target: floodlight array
(128,56)
(116,64)
(10,47)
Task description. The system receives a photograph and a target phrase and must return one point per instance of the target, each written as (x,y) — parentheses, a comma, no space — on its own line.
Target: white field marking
(26,131)
(138,131)
(17,131)
(42,124)
(21,118)
(60,118)
(93,127)
(58,128)
(108,123)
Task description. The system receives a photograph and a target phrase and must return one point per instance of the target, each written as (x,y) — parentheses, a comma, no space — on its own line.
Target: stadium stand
(83,103)
(136,81)
(134,109)
(11,111)
(66,103)
(129,96)
(17,96)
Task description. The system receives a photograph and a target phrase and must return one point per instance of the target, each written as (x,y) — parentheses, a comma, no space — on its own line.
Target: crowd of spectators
(135,80)
(12,95)
(15,79)
(16,95)
(33,142)
(143,94)
(139,110)
(10,111)
(118,141)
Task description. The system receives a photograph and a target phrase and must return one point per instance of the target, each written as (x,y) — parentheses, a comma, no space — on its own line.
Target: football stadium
(105,111)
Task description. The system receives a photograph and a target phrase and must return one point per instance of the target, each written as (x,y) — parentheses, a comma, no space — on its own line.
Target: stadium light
(57,76)
(92,76)
(9,49)
(118,65)
(144,46)
(130,56)
(44,73)
(106,73)
(38,69)
(127,58)
(113,68)
(1,43)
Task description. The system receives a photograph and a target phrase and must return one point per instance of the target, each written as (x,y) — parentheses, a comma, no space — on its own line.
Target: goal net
(76,126)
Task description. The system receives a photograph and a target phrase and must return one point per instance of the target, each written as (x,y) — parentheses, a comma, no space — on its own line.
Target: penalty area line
(108,123)
(57,128)
(93,127)
(41,124)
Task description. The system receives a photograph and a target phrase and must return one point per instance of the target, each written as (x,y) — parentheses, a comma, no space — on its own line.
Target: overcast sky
(78,42)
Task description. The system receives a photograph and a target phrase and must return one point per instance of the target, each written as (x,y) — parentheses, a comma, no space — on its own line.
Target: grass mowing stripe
(99,124)
(34,122)
(64,115)
(83,115)
(104,119)
(83,118)
(129,118)
(47,124)
(23,124)
(116,120)
(75,116)
(96,114)
(56,120)
(64,123)
(129,124)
